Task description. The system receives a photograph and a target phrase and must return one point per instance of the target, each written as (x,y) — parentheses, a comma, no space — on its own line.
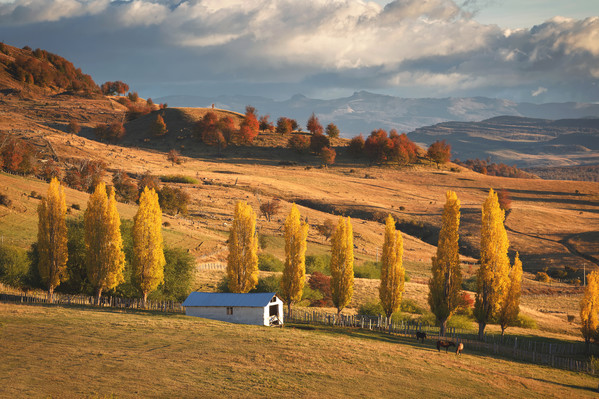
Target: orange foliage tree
(314,125)
(439,152)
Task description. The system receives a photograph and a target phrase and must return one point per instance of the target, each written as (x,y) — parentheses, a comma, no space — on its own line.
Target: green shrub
(372,308)
(269,263)
(410,306)
(524,321)
(309,296)
(426,319)
(401,317)
(268,284)
(318,263)
(371,270)
(14,266)
(179,179)
(460,321)
(470,284)
(178,275)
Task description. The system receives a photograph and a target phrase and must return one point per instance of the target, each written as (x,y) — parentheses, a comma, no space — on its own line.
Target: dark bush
(14,266)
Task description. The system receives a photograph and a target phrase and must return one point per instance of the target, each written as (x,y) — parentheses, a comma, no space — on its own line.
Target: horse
(420,336)
(459,349)
(444,344)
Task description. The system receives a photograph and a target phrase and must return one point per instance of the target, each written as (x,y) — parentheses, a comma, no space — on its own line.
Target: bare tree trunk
(289,309)
(442,327)
(481,330)
(144,303)
(51,294)
(98,295)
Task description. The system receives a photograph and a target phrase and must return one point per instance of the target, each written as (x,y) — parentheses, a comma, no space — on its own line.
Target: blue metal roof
(254,300)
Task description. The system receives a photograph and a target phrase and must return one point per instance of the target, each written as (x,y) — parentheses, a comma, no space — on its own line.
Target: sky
(525,50)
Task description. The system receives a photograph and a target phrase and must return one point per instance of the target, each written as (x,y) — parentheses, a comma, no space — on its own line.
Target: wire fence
(565,355)
(84,300)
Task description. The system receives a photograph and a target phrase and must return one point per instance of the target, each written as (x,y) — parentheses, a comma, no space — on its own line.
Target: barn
(262,309)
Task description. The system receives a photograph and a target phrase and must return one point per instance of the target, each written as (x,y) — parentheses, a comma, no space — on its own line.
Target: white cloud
(431,44)
(538,91)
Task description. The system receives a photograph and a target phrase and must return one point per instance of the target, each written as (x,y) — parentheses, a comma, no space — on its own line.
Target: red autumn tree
(248,130)
(266,124)
(439,152)
(270,208)
(327,154)
(319,141)
(298,142)
(284,125)
(174,156)
(356,146)
(314,125)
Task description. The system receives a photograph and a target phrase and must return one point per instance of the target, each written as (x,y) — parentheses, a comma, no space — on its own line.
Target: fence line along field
(60,351)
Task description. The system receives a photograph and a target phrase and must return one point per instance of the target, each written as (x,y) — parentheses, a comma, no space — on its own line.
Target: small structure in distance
(262,309)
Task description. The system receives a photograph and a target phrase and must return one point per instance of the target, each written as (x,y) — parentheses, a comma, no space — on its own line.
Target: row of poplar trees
(498,283)
(498,289)
(105,259)
(242,263)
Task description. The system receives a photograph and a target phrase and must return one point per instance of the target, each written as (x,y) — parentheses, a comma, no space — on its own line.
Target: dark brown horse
(420,336)
(444,344)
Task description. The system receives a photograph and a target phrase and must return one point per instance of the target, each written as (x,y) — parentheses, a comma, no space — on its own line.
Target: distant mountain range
(525,142)
(363,111)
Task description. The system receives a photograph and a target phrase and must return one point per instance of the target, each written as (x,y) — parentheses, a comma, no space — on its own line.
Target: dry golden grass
(51,351)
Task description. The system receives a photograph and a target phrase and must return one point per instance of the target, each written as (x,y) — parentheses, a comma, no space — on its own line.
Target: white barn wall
(241,315)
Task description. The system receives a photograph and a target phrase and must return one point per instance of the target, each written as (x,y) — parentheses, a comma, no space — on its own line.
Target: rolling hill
(525,142)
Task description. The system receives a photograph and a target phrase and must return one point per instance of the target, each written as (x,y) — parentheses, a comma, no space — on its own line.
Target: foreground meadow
(53,351)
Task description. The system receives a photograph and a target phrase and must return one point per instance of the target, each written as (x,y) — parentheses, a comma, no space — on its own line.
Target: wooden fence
(569,356)
(105,301)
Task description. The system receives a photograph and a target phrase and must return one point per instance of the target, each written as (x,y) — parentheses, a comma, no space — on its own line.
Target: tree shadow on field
(589,389)
(356,332)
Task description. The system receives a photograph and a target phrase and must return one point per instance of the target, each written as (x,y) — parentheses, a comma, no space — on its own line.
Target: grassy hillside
(74,352)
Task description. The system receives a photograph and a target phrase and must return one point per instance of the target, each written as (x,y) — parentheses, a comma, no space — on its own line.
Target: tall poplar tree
(445,284)
(492,275)
(105,259)
(589,308)
(510,309)
(242,262)
(294,274)
(148,253)
(392,271)
(52,238)
(342,264)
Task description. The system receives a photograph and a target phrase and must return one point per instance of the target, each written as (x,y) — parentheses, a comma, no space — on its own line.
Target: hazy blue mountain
(363,111)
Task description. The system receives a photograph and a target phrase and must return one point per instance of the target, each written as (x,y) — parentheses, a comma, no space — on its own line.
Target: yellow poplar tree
(294,274)
(392,271)
(105,259)
(589,307)
(446,282)
(511,305)
(148,253)
(52,238)
(342,264)
(492,275)
(242,262)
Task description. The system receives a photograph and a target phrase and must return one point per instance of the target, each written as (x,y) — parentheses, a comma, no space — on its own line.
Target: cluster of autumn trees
(42,68)
(215,131)
(104,252)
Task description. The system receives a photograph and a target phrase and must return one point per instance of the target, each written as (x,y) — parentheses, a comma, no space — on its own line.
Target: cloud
(417,47)
(538,91)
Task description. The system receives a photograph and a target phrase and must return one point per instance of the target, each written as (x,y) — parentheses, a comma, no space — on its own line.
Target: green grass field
(53,351)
